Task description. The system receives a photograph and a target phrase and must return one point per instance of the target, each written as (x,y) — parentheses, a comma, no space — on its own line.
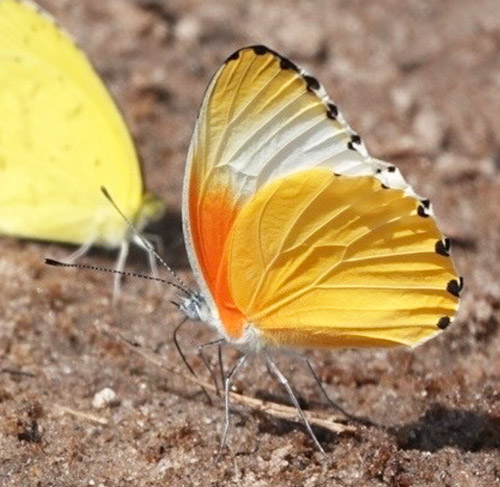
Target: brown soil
(420,81)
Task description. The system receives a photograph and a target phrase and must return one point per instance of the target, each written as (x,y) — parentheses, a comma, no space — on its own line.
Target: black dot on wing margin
(421,211)
(260,50)
(287,64)
(355,139)
(332,111)
(442,248)
(454,287)
(443,323)
(312,82)
(235,55)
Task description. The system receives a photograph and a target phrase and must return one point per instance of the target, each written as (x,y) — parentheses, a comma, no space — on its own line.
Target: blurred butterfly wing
(61,138)
(263,121)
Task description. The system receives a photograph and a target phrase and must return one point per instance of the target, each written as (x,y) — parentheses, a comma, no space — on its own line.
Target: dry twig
(327,421)
(81,414)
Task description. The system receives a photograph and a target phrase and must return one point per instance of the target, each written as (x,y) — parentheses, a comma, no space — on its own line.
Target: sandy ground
(420,81)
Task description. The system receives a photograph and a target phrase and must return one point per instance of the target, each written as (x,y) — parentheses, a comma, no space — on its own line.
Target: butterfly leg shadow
(357,419)
(219,342)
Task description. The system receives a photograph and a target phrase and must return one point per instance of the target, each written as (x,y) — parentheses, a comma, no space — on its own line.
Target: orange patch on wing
(212,216)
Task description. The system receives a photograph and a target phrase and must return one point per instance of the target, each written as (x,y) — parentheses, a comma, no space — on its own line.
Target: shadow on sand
(441,426)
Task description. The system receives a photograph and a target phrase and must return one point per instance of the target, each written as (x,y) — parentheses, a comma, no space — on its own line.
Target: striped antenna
(57,263)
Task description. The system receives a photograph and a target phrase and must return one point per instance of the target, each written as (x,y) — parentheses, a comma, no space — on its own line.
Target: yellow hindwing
(316,259)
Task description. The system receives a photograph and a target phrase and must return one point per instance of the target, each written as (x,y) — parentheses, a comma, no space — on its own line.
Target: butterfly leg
(156,241)
(184,359)
(221,363)
(283,380)
(227,386)
(330,401)
(81,251)
(119,266)
(201,347)
(148,247)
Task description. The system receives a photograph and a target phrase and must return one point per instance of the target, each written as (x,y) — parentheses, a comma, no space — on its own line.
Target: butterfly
(296,236)
(62,138)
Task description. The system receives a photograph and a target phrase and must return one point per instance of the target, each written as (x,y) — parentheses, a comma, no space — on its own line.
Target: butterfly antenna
(147,245)
(57,263)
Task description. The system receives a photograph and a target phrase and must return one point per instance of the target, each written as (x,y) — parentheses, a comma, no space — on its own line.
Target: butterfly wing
(282,199)
(61,138)
(332,261)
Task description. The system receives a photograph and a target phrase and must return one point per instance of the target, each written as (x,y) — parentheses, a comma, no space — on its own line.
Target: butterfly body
(296,236)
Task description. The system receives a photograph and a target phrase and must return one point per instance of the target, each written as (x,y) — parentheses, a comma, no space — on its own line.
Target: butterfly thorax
(196,308)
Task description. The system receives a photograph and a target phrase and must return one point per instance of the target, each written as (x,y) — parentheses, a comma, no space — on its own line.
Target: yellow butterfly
(296,236)
(62,138)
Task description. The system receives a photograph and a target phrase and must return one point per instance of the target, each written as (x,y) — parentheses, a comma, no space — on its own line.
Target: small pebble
(104,398)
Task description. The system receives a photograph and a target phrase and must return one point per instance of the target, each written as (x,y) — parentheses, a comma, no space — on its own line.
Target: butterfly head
(195,307)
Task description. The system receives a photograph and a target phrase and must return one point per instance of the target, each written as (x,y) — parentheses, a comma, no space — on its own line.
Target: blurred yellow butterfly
(296,236)
(62,138)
